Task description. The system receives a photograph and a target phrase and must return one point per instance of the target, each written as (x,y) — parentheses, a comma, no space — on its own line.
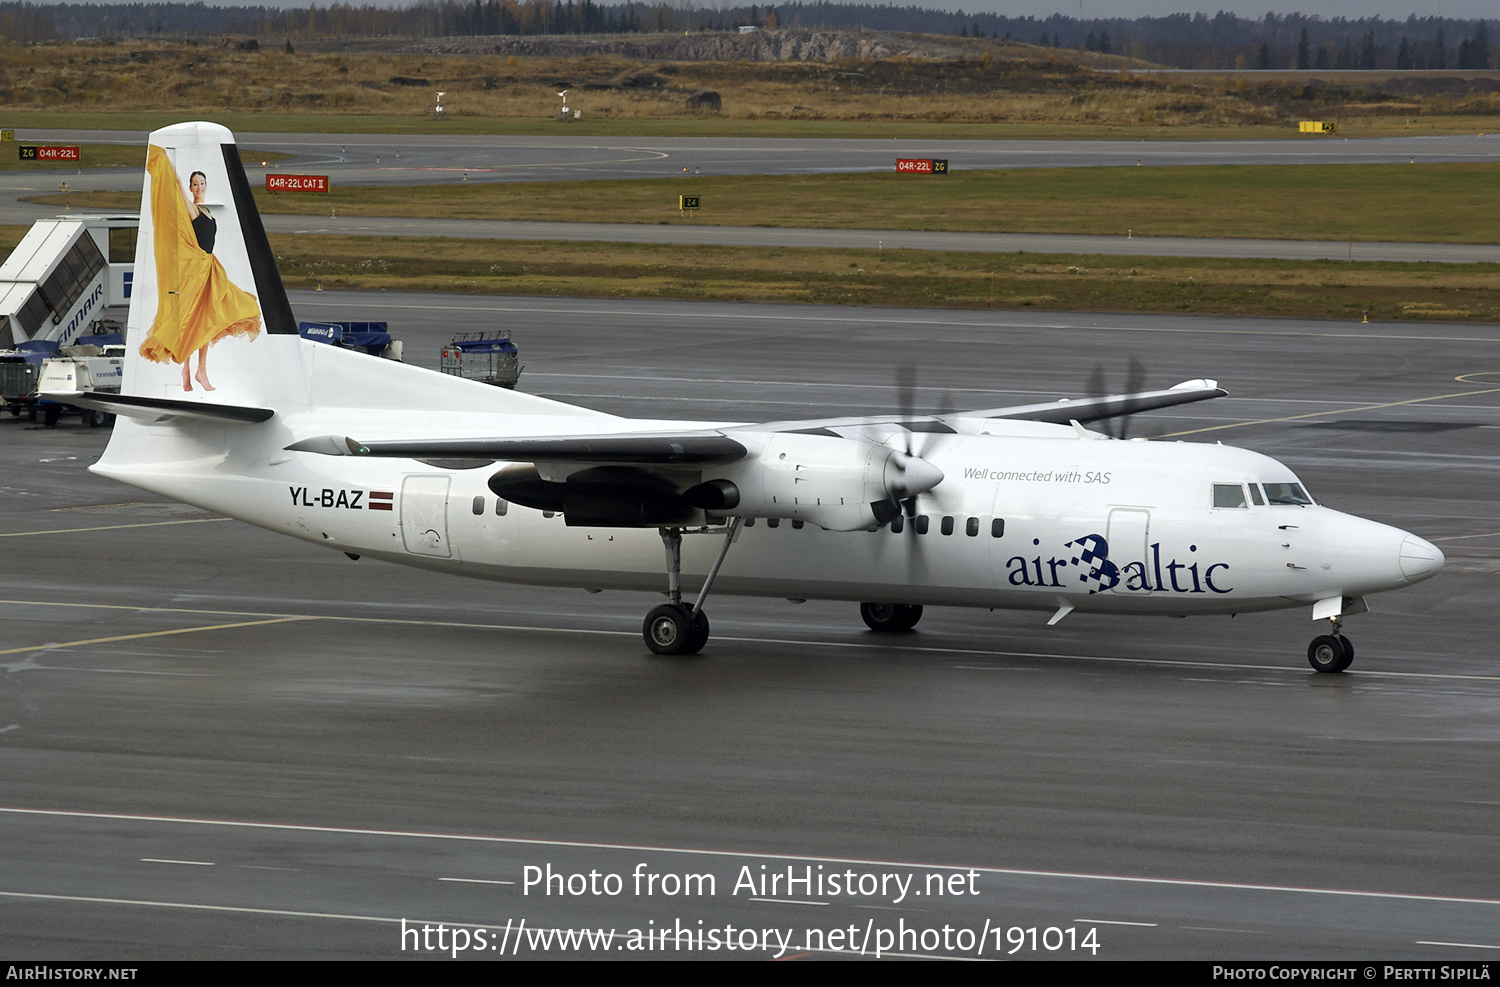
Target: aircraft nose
(1420,558)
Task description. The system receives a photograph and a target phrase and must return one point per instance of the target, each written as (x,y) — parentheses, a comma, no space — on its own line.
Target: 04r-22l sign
(922,166)
(296,183)
(35,152)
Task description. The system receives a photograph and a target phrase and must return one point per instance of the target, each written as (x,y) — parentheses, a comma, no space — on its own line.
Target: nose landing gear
(1330,652)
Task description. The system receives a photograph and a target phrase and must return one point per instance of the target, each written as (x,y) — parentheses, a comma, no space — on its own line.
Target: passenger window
(947,526)
(922,523)
(549,514)
(898,525)
(1287,495)
(749,522)
(1255,496)
(997,528)
(1229,495)
(972,528)
(773,522)
(501,506)
(478,506)
(798,524)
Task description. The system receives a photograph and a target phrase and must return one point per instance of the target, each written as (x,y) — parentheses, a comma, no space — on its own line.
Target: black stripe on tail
(268,288)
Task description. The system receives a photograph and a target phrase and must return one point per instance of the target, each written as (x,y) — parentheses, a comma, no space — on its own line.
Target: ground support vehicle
(488,357)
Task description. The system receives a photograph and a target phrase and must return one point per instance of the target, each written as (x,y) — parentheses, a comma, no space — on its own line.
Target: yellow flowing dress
(197,304)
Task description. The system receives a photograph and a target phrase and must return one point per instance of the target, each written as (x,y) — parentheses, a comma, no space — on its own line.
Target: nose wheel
(1330,653)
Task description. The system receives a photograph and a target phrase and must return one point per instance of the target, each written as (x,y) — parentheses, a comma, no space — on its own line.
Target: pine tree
(1304,60)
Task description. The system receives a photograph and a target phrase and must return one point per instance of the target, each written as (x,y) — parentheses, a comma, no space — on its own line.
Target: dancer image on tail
(197,304)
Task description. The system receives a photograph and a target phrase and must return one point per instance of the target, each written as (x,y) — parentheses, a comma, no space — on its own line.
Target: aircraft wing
(714,447)
(1062,411)
(641,449)
(1085,410)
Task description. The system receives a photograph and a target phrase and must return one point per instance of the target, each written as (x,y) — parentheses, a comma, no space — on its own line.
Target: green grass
(1290,289)
(1448,203)
(1275,288)
(901,131)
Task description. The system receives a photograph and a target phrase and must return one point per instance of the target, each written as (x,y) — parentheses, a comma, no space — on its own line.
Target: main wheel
(699,634)
(50,414)
(1329,653)
(95,419)
(890,617)
(670,629)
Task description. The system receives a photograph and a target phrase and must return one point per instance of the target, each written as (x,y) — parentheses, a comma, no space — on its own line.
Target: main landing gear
(1330,652)
(890,617)
(674,628)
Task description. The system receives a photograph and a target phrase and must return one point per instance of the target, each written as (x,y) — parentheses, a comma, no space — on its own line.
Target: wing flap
(660,449)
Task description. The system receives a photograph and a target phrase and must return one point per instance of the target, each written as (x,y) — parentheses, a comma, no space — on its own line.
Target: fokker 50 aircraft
(1009,507)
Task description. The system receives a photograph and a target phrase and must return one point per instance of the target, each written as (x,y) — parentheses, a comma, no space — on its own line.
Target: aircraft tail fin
(205,284)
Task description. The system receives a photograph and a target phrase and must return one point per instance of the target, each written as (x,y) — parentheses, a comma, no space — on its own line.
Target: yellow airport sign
(1316,127)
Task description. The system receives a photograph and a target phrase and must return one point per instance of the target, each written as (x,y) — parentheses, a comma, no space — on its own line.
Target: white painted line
(472,880)
(789,901)
(1464,945)
(746,855)
(234,908)
(1105,921)
(1289,668)
(190,863)
(955,323)
(385,920)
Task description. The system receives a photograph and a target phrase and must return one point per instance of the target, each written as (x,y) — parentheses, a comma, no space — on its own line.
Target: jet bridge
(69,278)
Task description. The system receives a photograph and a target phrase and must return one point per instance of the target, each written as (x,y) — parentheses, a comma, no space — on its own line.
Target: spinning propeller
(1117,425)
(907,474)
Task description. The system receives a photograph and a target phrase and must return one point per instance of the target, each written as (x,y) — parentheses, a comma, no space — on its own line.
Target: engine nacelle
(833,482)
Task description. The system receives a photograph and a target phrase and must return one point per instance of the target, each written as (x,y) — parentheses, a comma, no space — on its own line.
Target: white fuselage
(1042,516)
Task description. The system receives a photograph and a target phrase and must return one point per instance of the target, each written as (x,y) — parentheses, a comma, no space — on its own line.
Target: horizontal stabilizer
(154,410)
(690,448)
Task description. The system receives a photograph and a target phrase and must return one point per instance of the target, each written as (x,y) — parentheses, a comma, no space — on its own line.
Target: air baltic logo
(1089,558)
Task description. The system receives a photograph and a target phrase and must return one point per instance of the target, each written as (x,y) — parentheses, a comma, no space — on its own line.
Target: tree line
(1222,41)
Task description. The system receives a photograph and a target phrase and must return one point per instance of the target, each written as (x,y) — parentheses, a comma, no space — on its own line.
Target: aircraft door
(424,516)
(1129,537)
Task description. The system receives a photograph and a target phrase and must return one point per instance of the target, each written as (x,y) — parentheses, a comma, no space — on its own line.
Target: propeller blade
(1135,382)
(906,397)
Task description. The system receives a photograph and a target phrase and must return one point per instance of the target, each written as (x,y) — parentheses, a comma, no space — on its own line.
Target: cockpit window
(1229,495)
(1255,496)
(1287,494)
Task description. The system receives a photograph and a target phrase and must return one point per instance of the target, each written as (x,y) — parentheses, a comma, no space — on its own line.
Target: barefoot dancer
(197,304)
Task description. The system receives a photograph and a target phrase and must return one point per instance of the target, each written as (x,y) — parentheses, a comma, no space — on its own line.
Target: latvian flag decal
(380,500)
